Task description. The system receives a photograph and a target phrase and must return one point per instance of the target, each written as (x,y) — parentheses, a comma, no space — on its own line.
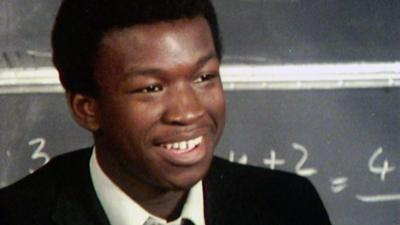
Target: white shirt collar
(122,210)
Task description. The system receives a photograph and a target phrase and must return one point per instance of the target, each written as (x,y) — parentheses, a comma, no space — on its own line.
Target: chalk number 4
(38,153)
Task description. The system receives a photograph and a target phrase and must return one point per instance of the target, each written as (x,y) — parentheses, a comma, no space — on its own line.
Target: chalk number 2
(39,153)
(299,166)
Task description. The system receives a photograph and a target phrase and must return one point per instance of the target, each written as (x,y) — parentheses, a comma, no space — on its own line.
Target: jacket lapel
(221,206)
(77,202)
(226,201)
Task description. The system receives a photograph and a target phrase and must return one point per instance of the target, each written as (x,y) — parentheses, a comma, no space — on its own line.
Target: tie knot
(152,221)
(186,222)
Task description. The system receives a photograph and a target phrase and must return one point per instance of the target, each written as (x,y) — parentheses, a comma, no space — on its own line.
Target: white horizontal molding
(241,77)
(29,76)
(311,72)
(311,76)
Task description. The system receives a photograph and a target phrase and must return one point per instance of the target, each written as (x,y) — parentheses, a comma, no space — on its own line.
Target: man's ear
(84,109)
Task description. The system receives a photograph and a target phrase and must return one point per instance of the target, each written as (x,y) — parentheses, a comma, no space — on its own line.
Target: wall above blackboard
(307,31)
(254,31)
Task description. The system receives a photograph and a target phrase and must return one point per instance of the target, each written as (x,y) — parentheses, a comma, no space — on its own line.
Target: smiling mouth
(183,146)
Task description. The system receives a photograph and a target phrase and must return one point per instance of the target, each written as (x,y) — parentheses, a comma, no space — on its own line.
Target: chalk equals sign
(338,184)
(379,198)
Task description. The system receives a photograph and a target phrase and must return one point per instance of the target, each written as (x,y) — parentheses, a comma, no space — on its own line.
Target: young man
(143,77)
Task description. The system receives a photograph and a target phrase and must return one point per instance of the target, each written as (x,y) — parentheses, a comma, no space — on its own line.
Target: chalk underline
(379,198)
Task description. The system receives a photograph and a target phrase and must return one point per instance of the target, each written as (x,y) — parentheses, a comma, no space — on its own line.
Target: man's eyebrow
(155,71)
(203,60)
(143,71)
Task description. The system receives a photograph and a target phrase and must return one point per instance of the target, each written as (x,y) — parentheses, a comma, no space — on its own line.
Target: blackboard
(254,31)
(346,141)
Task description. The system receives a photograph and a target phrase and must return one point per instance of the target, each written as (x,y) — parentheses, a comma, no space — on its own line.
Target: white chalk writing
(273,161)
(242,160)
(378,198)
(382,171)
(338,184)
(39,153)
(299,170)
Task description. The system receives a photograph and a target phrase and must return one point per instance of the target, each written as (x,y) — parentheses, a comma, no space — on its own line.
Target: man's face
(161,109)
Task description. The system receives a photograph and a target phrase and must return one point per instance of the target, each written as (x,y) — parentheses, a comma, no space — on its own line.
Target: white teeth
(191,144)
(184,145)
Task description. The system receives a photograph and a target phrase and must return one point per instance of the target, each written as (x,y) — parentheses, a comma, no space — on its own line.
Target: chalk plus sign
(273,161)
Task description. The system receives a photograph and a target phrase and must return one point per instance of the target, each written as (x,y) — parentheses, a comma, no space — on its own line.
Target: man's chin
(186,181)
(184,186)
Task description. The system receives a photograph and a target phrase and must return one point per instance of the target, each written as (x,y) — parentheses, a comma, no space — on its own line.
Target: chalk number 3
(39,153)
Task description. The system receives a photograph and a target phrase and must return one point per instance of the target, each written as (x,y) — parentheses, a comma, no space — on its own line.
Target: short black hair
(81,24)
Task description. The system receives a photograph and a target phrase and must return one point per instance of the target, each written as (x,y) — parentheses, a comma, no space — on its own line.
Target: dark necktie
(152,221)
(186,222)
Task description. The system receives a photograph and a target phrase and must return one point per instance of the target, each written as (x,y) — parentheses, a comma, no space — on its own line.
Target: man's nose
(184,106)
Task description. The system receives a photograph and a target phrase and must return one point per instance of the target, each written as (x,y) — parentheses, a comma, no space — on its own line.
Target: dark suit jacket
(62,193)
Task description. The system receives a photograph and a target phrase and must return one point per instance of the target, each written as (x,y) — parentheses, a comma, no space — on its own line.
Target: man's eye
(151,88)
(205,77)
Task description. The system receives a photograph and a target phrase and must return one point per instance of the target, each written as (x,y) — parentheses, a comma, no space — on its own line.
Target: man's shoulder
(58,167)
(39,189)
(251,183)
(257,186)
(272,195)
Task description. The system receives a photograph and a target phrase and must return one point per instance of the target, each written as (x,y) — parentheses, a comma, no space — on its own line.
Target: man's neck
(166,206)
(160,202)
